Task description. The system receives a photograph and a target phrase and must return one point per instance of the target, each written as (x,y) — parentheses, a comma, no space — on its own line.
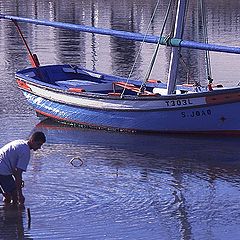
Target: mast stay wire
(205,35)
(141,46)
(153,60)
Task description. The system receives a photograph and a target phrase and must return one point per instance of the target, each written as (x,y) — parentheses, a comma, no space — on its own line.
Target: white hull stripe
(118,104)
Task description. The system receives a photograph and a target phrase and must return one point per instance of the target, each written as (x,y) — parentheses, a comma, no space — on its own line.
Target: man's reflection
(11,222)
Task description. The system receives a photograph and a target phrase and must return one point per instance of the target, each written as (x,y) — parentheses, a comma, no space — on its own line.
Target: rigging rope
(153,60)
(205,35)
(140,49)
(185,66)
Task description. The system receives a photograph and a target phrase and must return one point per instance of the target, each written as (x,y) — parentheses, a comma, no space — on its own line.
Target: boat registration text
(178,102)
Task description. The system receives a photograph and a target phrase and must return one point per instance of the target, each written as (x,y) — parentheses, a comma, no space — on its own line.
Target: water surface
(130,186)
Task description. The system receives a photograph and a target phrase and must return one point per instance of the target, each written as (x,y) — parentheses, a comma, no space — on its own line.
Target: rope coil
(76,162)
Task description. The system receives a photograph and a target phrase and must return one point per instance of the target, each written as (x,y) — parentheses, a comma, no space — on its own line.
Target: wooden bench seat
(133,88)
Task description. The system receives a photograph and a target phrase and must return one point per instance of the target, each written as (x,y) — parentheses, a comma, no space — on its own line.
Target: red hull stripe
(223,98)
(23,85)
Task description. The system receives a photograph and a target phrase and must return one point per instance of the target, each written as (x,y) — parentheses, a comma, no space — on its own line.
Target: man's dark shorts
(7,183)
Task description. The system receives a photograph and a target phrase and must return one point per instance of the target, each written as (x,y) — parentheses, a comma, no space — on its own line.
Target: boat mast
(175,55)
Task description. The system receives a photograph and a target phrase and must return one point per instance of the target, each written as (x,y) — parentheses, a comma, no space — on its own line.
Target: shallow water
(130,186)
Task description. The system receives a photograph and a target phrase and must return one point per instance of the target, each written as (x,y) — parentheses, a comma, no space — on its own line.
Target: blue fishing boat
(79,96)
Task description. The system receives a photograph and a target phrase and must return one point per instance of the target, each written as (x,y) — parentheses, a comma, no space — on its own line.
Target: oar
(33,57)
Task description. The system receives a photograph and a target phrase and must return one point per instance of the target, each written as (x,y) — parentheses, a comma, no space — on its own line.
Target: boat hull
(82,97)
(219,118)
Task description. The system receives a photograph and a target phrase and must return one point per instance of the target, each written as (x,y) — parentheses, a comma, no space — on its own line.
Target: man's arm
(18,179)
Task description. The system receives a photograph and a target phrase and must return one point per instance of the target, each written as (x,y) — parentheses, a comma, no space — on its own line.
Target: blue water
(130,186)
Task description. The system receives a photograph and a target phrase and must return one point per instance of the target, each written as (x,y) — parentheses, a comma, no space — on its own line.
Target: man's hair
(38,136)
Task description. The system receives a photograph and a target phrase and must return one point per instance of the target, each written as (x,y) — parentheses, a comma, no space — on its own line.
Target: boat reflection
(216,154)
(167,160)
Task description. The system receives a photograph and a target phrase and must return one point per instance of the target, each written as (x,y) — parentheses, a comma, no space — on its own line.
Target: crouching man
(14,159)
